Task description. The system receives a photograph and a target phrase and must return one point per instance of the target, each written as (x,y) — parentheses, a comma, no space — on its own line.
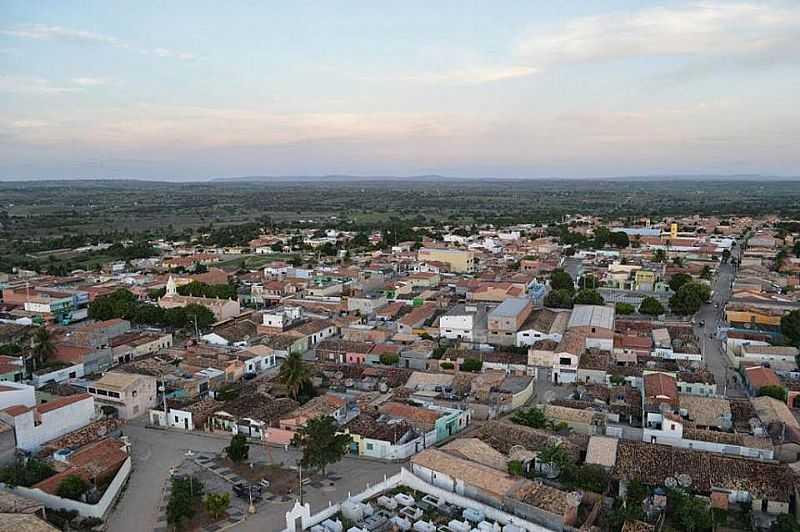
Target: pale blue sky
(189,89)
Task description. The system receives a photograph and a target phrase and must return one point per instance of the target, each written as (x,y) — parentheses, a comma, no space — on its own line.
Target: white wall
(99,510)
(60,375)
(455,327)
(54,423)
(22,394)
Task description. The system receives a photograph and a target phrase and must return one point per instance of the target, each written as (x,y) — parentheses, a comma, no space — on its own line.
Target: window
(176,419)
(72,374)
(672,426)
(369,446)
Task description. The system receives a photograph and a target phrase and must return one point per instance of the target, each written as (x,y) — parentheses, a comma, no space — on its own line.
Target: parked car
(246,491)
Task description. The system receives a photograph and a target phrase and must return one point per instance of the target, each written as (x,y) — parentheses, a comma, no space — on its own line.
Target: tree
(687,512)
(198,315)
(706,274)
(678,280)
(651,306)
(773,390)
(689,298)
(185,491)
(72,487)
(588,281)
(321,443)
(43,346)
(294,374)
(238,450)
(660,256)
(678,261)
(587,296)
(624,309)
(216,504)
(389,359)
(473,365)
(561,280)
(554,455)
(619,239)
(558,299)
(532,417)
(515,468)
(790,327)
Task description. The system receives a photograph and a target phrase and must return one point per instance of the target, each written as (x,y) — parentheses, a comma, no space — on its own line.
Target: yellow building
(459,260)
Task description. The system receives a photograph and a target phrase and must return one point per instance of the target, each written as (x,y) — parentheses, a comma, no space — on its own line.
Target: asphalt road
(713,316)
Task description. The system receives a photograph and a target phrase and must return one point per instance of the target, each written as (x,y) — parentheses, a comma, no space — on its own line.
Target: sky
(193,89)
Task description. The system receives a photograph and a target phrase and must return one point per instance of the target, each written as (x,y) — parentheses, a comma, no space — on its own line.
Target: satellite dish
(516,449)
(684,480)
(670,482)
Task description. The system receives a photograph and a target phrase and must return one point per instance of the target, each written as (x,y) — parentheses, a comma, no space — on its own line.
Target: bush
(472,364)
(72,487)
(624,309)
(651,306)
(773,390)
(515,468)
(388,359)
(446,365)
(216,504)
(28,474)
(587,296)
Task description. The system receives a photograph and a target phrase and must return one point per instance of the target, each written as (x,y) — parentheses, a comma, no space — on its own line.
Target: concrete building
(131,394)
(464,322)
(459,260)
(506,320)
(596,323)
(36,425)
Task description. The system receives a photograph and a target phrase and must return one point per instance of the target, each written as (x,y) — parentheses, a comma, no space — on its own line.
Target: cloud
(694,30)
(59,33)
(471,75)
(29,85)
(45,32)
(90,82)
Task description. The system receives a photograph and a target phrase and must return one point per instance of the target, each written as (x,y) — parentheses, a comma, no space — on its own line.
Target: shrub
(72,487)
(446,365)
(472,364)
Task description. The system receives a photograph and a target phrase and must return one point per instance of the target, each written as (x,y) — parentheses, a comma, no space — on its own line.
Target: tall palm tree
(293,374)
(43,346)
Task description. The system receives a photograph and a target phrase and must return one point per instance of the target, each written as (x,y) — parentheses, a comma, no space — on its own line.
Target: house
(135,344)
(35,425)
(542,324)
(376,436)
(12,369)
(257,359)
(343,351)
(593,366)
(757,377)
(324,405)
(580,421)
(234,332)
(418,317)
(567,355)
(781,358)
(458,261)
(433,421)
(132,395)
(507,318)
(315,331)
(281,318)
(16,393)
(464,322)
(596,323)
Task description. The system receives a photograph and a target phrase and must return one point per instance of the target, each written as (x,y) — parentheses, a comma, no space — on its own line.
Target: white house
(464,322)
(36,425)
(16,393)
(281,317)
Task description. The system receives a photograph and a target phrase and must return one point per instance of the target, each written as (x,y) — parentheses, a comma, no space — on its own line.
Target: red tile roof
(760,376)
(62,402)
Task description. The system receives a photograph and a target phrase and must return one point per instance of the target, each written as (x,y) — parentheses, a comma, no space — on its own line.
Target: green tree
(199,315)
(651,306)
(185,491)
(706,274)
(72,487)
(473,365)
(389,359)
(239,449)
(294,374)
(678,280)
(532,417)
(558,299)
(588,281)
(321,442)
(689,298)
(587,296)
(43,346)
(773,390)
(687,512)
(561,280)
(624,309)
(660,256)
(790,327)
(216,504)
(555,455)
(515,468)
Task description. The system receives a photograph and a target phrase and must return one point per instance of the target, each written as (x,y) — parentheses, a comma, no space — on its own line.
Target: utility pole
(300,469)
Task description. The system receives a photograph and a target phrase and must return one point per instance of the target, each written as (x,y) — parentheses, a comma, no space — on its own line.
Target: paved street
(713,316)
(155,451)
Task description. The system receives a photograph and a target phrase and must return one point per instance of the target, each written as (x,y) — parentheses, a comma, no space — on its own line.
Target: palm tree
(43,346)
(293,374)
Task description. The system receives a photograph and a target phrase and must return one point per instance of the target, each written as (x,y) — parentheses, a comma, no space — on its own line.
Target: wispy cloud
(30,85)
(694,30)
(90,82)
(469,75)
(60,33)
